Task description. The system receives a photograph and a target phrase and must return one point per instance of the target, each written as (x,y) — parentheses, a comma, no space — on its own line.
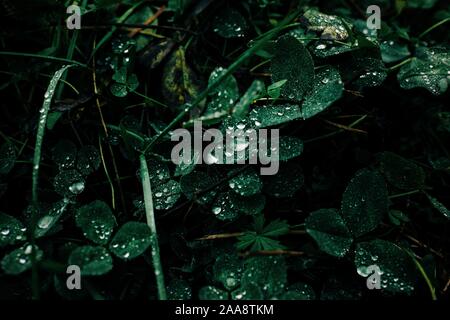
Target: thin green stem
(434,26)
(404,194)
(424,274)
(232,68)
(39,56)
(150,215)
(35,173)
(400,64)
(328,135)
(150,99)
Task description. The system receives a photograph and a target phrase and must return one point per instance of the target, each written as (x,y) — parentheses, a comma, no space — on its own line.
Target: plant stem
(150,215)
(434,27)
(424,274)
(400,64)
(232,68)
(35,173)
(32,55)
(404,194)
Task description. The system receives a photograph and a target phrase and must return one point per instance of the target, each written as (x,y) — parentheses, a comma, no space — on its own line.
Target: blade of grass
(39,56)
(150,215)
(35,173)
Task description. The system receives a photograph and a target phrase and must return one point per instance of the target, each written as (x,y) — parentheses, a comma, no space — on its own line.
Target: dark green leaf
(93,261)
(96,221)
(364,202)
(328,228)
(292,62)
(132,239)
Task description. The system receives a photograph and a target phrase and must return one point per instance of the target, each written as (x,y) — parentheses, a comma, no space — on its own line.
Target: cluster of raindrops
(227,270)
(178,289)
(225,95)
(166,195)
(69,183)
(230,24)
(19,260)
(224,207)
(271,115)
(212,293)
(432,72)
(11,230)
(328,88)
(96,221)
(247,183)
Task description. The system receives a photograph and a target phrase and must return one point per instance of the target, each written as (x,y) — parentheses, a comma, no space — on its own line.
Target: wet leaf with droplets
(328,26)
(268,272)
(327,89)
(400,172)
(371,72)
(185,168)
(225,95)
(292,62)
(290,147)
(439,206)
(227,270)
(69,183)
(397,270)
(96,221)
(230,23)
(19,260)
(430,70)
(328,228)
(246,183)
(393,51)
(364,202)
(88,160)
(158,171)
(93,261)
(166,195)
(132,239)
(224,206)
(11,230)
(49,217)
(271,115)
